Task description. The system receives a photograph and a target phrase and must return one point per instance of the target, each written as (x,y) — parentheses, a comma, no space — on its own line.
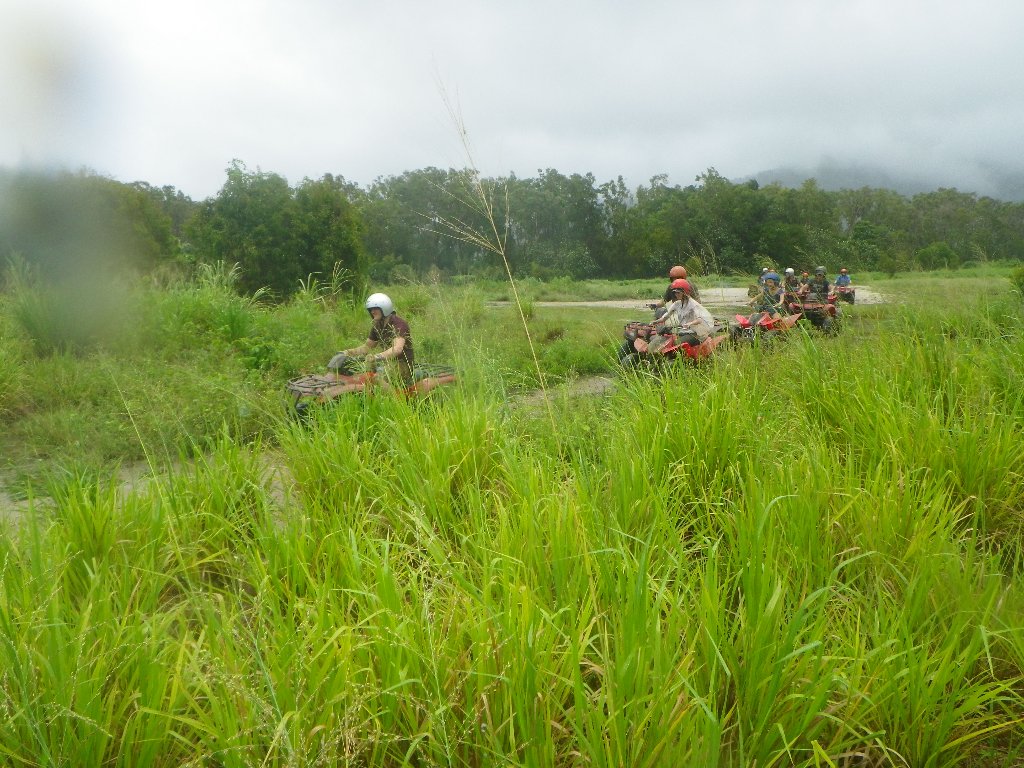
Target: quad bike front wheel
(830,326)
(740,335)
(629,361)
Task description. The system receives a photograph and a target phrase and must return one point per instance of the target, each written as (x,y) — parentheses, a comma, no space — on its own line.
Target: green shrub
(938,255)
(1017,279)
(412,301)
(69,319)
(12,365)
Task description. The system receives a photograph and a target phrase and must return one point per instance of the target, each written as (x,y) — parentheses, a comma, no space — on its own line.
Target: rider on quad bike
(678,272)
(685,318)
(347,376)
(683,332)
(390,331)
(817,288)
(790,283)
(769,315)
(770,298)
(844,289)
(816,304)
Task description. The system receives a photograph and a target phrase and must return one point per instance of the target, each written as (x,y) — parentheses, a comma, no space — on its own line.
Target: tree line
(550,225)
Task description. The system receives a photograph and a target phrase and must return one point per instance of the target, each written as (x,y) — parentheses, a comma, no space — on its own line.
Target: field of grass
(803,555)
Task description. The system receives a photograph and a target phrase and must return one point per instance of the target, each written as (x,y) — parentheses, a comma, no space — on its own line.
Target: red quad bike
(823,315)
(845,293)
(347,377)
(637,335)
(761,325)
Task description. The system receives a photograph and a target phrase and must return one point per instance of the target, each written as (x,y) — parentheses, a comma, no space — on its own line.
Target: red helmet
(680,285)
(677,272)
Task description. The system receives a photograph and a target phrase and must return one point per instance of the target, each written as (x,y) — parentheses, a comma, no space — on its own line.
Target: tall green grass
(807,554)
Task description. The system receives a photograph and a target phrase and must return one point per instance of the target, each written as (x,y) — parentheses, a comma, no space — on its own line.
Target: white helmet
(763,271)
(382,302)
(789,271)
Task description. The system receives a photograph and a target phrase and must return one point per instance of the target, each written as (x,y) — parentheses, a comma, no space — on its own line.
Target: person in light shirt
(678,272)
(685,318)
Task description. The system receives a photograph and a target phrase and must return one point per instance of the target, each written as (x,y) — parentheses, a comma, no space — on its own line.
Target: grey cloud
(612,88)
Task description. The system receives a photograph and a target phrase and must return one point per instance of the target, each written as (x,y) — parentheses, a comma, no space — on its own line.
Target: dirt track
(712,298)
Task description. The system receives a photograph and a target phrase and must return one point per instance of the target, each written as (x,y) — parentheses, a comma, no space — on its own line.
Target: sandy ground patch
(586,386)
(136,478)
(712,298)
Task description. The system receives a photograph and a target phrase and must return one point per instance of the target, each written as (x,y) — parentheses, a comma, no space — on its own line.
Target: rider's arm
(362,349)
(394,350)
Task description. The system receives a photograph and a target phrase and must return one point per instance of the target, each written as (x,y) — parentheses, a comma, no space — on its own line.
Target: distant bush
(12,368)
(65,317)
(412,301)
(1017,280)
(891,263)
(938,255)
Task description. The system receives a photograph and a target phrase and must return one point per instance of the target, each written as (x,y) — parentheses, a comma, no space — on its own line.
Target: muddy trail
(136,478)
(712,298)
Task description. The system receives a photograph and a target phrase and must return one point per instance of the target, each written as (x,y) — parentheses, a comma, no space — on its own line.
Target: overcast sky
(170,93)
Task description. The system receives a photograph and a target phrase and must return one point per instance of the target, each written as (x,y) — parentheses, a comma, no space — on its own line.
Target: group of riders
(773,295)
(679,313)
(682,315)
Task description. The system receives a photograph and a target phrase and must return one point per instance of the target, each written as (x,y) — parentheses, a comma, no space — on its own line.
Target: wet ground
(134,478)
(712,298)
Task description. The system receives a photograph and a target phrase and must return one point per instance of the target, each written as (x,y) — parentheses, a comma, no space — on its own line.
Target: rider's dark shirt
(385,331)
(768,301)
(818,288)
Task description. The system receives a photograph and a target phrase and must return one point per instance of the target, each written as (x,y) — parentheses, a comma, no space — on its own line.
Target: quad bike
(845,293)
(823,315)
(761,325)
(349,376)
(637,335)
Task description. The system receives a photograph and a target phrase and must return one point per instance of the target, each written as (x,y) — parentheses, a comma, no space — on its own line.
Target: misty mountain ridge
(997,183)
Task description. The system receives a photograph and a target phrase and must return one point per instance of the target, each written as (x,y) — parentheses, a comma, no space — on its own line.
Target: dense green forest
(552,225)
